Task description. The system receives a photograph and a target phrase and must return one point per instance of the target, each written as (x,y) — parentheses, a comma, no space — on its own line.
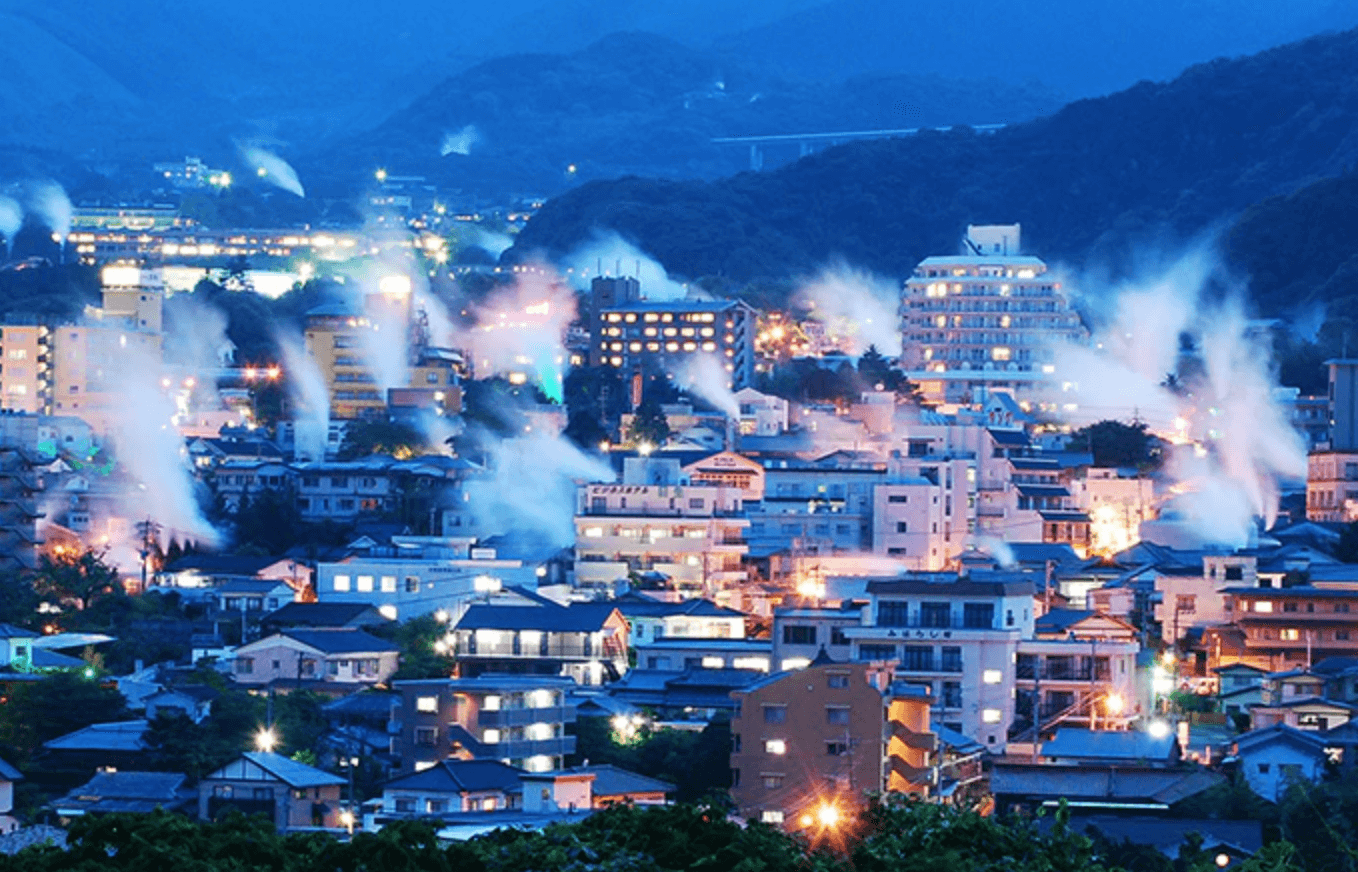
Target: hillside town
(384,577)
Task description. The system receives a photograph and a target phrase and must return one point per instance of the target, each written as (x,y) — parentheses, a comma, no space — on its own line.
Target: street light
(1114,704)
(266,740)
(828,815)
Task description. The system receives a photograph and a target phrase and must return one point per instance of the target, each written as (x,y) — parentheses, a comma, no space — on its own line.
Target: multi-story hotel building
(989,318)
(631,333)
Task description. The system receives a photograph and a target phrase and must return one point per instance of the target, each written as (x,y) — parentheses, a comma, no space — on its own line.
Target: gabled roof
(196,692)
(460,776)
(221,564)
(1060,620)
(9,773)
(125,791)
(9,631)
(1109,784)
(330,614)
(637,605)
(609,781)
(290,772)
(1240,667)
(365,703)
(1168,834)
(575,618)
(113,736)
(1308,741)
(339,640)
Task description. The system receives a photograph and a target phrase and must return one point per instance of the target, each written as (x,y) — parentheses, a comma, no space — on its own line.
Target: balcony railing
(522,717)
(948,622)
(1027,672)
(557,746)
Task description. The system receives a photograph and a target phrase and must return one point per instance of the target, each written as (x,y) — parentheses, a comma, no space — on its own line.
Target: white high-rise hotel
(986,319)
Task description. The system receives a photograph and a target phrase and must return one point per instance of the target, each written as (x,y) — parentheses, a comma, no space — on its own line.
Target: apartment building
(692,536)
(1332,486)
(1079,669)
(807,746)
(520,720)
(984,320)
(1285,628)
(819,506)
(633,334)
(959,635)
(801,633)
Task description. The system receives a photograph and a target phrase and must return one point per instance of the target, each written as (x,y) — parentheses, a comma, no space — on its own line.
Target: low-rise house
(1236,840)
(698,618)
(614,786)
(292,794)
(112,791)
(666,653)
(293,615)
(8,776)
(693,694)
(453,786)
(363,722)
(116,744)
(1312,714)
(194,701)
(330,658)
(16,648)
(587,642)
(1111,747)
(800,633)
(961,768)
(1116,788)
(1274,758)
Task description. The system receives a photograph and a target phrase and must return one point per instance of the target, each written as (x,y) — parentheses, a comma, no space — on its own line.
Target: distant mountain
(1153,161)
(1076,47)
(636,103)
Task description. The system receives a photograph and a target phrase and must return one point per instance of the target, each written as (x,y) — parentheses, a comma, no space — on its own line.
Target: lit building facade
(987,319)
(632,334)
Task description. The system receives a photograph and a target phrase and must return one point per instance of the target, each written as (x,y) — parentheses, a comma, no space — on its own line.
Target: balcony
(934,665)
(933,622)
(557,746)
(500,718)
(1026,672)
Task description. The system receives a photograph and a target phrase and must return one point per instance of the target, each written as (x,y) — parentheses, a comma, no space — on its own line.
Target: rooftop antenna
(618,266)
(599,267)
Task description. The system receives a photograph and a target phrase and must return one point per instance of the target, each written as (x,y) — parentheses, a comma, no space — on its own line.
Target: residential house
(693,694)
(1274,758)
(518,719)
(961,769)
(16,647)
(678,653)
(292,794)
(8,777)
(614,786)
(362,723)
(1079,668)
(820,737)
(117,744)
(117,791)
(194,701)
(1285,628)
(1240,688)
(453,786)
(651,619)
(587,642)
(1022,787)
(1233,840)
(321,659)
(328,614)
(1110,747)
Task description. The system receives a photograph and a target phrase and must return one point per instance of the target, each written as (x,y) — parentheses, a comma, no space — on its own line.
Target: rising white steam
(489,241)
(610,254)
(309,397)
(151,450)
(520,331)
(11,219)
(532,487)
(857,308)
(997,548)
(272,169)
(48,201)
(705,376)
(460,141)
(1236,442)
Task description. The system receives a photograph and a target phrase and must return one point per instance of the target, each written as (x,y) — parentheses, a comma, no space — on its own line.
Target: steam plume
(310,399)
(857,309)
(705,376)
(49,202)
(1238,441)
(11,219)
(272,169)
(460,142)
(521,330)
(615,254)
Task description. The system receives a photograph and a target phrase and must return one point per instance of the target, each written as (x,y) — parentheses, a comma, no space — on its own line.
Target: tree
(73,576)
(649,426)
(362,438)
(1347,547)
(1114,443)
(423,651)
(63,702)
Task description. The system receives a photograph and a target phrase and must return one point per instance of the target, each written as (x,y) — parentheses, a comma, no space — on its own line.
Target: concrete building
(1332,486)
(800,633)
(987,319)
(1281,629)
(316,658)
(586,642)
(1343,397)
(808,745)
(693,536)
(958,635)
(519,720)
(1274,758)
(634,334)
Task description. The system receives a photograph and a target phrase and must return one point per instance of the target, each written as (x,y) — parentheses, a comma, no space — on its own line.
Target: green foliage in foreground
(893,835)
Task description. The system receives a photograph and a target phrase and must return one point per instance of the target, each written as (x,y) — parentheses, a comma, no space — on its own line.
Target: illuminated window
(992,676)
(771,817)
(491,737)
(365,583)
(1263,606)
(1290,634)
(341,583)
(388,584)
(427,704)
(991,716)
(775,746)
